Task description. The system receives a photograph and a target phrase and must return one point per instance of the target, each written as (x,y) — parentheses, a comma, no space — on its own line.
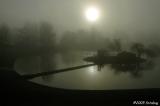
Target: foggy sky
(127,15)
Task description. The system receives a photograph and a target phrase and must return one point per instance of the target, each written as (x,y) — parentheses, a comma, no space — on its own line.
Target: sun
(92,13)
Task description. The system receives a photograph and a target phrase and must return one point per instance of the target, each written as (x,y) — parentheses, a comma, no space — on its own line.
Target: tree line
(42,37)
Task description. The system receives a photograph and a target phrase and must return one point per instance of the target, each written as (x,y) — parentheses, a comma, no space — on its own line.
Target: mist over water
(41,36)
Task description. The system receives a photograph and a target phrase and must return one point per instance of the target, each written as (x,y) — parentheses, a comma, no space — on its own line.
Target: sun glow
(92,70)
(92,13)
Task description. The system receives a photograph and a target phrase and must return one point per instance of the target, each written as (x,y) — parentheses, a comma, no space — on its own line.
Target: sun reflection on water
(92,70)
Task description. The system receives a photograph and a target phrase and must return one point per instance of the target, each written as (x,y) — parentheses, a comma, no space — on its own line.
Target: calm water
(87,78)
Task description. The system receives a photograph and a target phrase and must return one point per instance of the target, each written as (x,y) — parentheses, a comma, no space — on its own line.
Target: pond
(89,78)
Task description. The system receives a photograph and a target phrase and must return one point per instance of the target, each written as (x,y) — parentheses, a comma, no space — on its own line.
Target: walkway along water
(30,76)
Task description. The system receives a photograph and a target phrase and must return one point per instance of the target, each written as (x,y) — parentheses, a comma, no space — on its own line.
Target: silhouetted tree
(114,45)
(47,35)
(117,45)
(28,36)
(6,54)
(5,46)
(68,41)
(152,50)
(4,34)
(138,48)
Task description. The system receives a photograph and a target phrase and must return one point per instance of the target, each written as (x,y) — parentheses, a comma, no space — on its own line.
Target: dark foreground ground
(16,91)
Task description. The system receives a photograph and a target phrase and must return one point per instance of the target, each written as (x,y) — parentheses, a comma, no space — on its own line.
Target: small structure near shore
(123,58)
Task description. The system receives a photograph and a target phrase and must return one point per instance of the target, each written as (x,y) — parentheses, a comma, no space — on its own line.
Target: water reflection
(110,77)
(35,64)
(136,71)
(47,63)
(92,70)
(126,62)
